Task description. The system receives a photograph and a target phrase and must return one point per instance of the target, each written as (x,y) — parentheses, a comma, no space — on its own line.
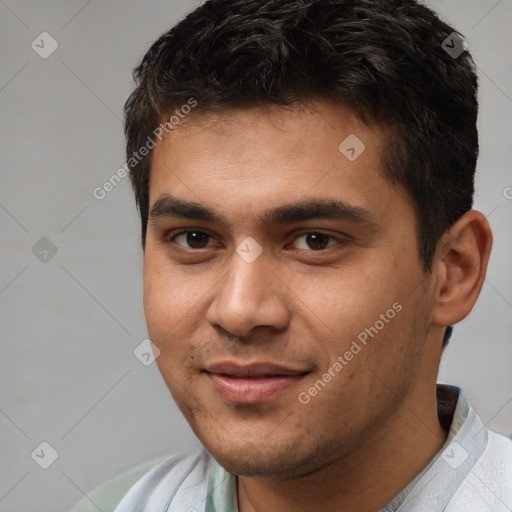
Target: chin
(250,459)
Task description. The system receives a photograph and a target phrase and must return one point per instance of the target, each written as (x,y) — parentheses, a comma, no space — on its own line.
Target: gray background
(69,324)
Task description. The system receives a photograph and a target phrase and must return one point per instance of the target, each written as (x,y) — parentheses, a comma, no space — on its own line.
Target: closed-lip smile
(256,382)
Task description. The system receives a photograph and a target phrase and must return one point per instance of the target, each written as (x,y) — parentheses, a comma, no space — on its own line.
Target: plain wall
(69,325)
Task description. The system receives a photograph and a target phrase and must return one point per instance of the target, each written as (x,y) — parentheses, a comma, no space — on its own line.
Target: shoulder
(489,484)
(497,458)
(108,496)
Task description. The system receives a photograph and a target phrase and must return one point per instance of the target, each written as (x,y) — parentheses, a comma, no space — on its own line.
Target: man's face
(286,339)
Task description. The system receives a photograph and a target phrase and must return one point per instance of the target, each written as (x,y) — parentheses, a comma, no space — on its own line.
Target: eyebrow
(168,206)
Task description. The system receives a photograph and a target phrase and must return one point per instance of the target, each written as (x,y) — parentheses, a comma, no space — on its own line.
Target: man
(304,173)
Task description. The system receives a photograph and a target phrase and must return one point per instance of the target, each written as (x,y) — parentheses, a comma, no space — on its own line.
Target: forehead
(248,160)
(272,136)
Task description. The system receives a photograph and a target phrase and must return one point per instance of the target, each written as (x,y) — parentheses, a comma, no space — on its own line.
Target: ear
(461,263)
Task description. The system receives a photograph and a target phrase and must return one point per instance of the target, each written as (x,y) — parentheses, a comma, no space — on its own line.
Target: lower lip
(250,391)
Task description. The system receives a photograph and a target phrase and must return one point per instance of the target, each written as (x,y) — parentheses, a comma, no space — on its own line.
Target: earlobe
(463,254)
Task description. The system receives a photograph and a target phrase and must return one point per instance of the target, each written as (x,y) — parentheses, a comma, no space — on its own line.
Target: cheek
(362,318)
(166,297)
(161,309)
(154,300)
(173,311)
(344,301)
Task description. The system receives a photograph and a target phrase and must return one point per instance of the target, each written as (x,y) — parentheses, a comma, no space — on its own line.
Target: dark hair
(388,60)
(447,335)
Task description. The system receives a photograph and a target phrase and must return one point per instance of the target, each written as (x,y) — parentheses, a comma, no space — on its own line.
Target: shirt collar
(430,490)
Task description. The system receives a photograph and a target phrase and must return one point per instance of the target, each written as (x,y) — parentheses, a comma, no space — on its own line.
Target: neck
(364,480)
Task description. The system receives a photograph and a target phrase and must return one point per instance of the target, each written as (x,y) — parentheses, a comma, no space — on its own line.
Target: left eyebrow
(329,209)
(170,206)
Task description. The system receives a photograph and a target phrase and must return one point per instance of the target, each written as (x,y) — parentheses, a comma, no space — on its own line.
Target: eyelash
(169,239)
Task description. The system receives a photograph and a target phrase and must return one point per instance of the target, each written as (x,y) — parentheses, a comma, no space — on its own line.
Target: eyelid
(169,237)
(338,239)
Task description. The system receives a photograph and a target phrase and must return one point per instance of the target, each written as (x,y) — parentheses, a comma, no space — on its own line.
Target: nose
(249,295)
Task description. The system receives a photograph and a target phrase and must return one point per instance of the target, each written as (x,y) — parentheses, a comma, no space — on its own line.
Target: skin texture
(374,426)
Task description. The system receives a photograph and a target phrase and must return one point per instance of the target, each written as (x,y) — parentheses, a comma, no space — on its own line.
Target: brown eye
(193,239)
(316,241)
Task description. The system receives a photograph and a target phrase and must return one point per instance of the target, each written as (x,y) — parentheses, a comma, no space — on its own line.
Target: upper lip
(257,369)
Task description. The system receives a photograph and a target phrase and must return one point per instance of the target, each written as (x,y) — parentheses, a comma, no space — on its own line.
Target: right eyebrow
(170,206)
